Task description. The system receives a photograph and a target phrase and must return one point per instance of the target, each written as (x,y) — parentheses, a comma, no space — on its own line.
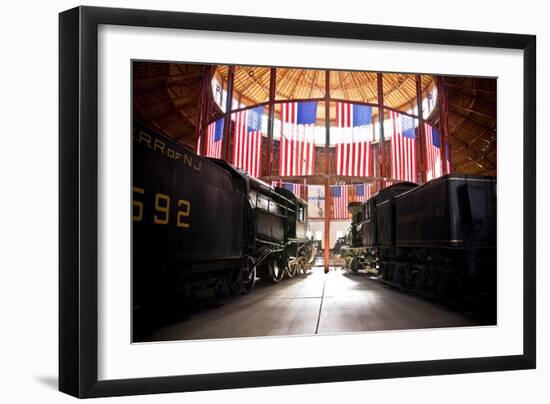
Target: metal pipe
(381,143)
(270,119)
(227,116)
(327,168)
(443,123)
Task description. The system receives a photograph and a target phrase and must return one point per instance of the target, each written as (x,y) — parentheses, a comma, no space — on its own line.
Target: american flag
(296,189)
(403,147)
(363,192)
(433,147)
(214,139)
(278,183)
(340,202)
(247,150)
(297,138)
(353,156)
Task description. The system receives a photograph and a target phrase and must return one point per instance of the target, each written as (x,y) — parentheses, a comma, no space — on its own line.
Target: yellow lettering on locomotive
(187,159)
(137,217)
(183,213)
(159,144)
(170,153)
(145,138)
(162,206)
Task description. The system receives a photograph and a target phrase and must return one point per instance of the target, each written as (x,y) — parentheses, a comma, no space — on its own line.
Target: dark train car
(298,252)
(354,237)
(188,216)
(371,229)
(445,243)
(437,239)
(453,211)
(372,226)
(203,229)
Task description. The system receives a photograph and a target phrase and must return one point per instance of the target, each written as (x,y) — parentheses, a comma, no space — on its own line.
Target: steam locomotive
(203,229)
(437,239)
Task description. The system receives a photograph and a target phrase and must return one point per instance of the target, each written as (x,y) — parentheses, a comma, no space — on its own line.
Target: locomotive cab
(296,210)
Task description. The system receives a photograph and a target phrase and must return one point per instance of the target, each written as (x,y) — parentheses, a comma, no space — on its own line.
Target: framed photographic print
(250,202)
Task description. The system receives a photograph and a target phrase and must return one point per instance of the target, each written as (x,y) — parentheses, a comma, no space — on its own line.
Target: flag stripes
(339,194)
(403,147)
(247,147)
(353,153)
(214,139)
(296,148)
(433,152)
(363,192)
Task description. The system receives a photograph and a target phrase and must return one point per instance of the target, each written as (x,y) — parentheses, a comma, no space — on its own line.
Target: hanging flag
(353,155)
(276,183)
(214,139)
(247,149)
(340,202)
(403,147)
(296,189)
(363,192)
(296,148)
(433,152)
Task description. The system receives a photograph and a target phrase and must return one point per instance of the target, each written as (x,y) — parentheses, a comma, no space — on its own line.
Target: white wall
(28,170)
(338,228)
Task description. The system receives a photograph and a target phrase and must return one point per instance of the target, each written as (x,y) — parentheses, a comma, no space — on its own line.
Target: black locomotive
(438,239)
(202,228)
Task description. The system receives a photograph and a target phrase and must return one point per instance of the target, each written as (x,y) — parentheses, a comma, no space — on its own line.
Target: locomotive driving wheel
(301,267)
(243,279)
(292,267)
(276,271)
(249,275)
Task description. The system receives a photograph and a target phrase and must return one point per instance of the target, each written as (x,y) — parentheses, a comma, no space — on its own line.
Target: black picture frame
(78,200)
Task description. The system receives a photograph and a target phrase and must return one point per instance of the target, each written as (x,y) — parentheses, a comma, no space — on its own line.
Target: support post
(327,172)
(381,141)
(421,156)
(270,119)
(443,123)
(227,116)
(202,113)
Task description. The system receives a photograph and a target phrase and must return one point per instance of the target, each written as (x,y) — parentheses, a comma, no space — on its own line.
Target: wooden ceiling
(472,107)
(252,87)
(165,97)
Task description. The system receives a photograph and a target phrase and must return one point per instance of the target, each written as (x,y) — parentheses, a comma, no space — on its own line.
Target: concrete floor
(317,303)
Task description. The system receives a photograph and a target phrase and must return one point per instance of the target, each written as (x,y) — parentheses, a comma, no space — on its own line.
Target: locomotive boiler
(438,239)
(203,229)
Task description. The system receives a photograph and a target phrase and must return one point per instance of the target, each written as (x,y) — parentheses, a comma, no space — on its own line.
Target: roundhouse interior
(358,267)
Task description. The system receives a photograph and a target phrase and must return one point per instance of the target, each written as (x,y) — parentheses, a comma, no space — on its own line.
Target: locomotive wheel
(292,268)
(301,268)
(243,279)
(276,271)
(249,275)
